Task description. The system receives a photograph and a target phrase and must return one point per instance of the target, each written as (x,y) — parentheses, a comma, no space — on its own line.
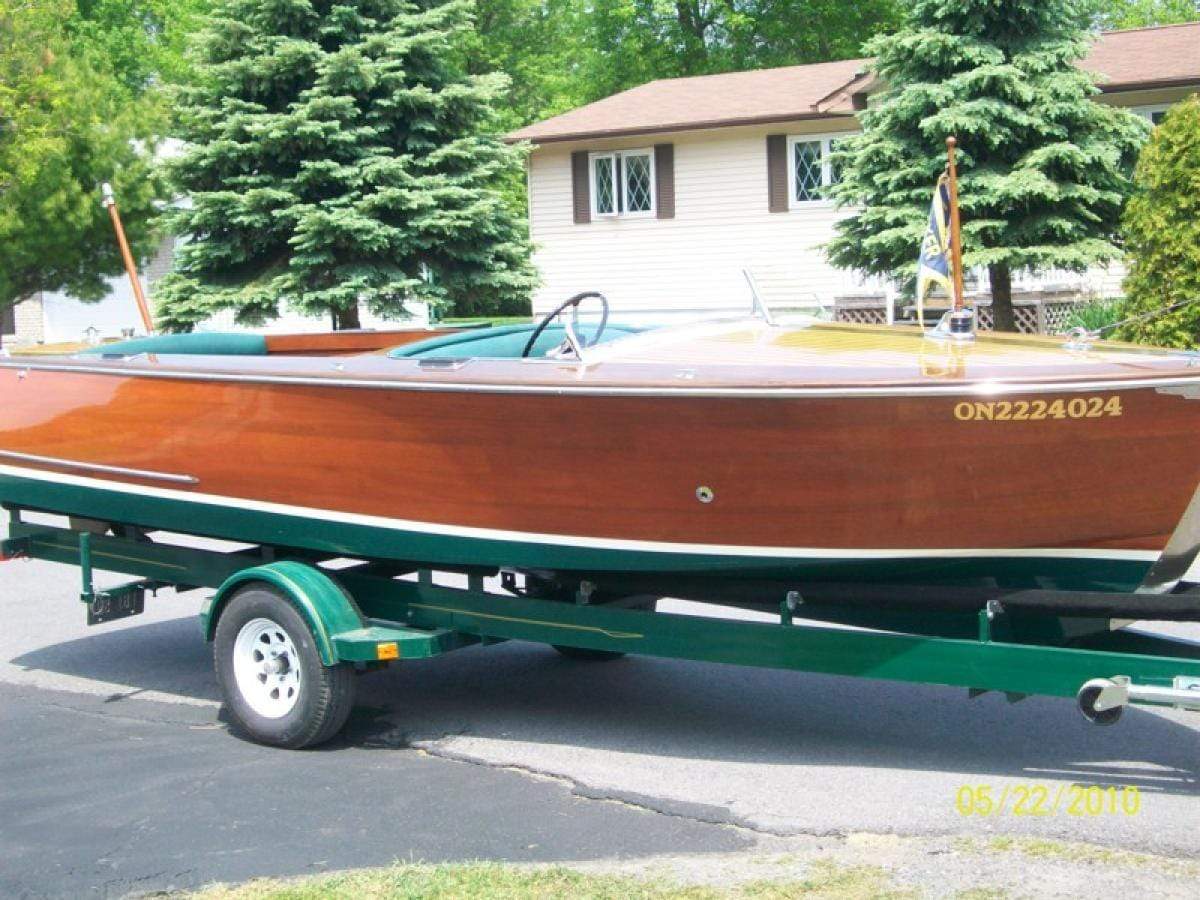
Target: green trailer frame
(375,612)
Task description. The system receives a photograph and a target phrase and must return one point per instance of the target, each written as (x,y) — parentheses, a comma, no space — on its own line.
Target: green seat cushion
(502,342)
(195,344)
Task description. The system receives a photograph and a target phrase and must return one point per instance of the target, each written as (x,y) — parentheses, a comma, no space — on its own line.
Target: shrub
(1162,232)
(1096,315)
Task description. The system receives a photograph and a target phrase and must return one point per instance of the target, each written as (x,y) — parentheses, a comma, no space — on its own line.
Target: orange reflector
(390,650)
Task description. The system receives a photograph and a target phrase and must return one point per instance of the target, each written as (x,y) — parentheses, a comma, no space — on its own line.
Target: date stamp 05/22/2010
(1034,800)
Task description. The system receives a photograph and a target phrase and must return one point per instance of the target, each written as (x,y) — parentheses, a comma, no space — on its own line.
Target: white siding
(66,319)
(721,226)
(291,322)
(57,317)
(27,316)
(693,261)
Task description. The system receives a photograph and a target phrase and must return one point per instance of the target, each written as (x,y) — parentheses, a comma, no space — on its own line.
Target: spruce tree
(337,154)
(1044,168)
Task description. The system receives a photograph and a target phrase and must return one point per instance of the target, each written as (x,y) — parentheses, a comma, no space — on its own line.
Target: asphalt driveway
(120,773)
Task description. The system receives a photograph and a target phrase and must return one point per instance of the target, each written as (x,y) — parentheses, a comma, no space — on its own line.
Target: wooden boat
(812,453)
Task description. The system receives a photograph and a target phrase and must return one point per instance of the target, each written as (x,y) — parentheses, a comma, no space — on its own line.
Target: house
(55,317)
(52,317)
(659,196)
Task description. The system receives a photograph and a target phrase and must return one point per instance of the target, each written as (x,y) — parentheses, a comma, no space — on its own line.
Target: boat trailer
(305,618)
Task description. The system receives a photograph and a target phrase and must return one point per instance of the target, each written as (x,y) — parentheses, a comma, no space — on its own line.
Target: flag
(934,265)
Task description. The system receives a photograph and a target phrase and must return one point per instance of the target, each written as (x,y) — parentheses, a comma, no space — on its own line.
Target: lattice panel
(869,315)
(1026,318)
(1055,316)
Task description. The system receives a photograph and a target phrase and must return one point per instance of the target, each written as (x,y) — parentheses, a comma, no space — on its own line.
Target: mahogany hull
(895,487)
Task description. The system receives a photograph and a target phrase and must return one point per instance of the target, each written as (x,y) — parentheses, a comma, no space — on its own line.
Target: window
(810,169)
(622,183)
(1154,113)
(8,320)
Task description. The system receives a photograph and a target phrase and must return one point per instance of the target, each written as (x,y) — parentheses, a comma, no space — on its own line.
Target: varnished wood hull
(823,487)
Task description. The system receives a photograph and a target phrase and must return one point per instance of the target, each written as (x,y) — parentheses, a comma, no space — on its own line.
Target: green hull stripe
(359,540)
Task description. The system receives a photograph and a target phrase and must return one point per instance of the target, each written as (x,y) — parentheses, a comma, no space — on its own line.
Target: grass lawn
(491,881)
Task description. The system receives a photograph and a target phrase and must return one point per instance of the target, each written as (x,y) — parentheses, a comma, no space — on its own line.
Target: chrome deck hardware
(955,325)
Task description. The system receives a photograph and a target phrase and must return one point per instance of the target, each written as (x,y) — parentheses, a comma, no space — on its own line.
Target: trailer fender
(325,605)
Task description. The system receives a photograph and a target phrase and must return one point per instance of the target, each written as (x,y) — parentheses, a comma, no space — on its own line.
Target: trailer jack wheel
(582,653)
(275,687)
(1096,702)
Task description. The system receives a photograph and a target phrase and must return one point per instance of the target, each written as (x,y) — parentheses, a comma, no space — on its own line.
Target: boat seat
(192,344)
(502,342)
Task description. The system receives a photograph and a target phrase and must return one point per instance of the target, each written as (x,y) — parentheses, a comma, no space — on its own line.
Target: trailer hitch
(1103,700)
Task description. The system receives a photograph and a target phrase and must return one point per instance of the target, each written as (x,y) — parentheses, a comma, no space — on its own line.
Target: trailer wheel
(271,675)
(1087,697)
(582,653)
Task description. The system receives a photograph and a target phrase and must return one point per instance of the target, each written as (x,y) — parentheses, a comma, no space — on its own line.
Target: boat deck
(744,355)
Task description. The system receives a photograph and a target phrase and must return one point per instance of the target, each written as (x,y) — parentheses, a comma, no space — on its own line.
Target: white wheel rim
(266,668)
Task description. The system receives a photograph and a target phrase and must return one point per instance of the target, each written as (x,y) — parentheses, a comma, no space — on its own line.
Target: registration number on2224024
(1037,410)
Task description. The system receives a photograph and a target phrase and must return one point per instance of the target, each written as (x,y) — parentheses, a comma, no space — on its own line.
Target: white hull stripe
(562,540)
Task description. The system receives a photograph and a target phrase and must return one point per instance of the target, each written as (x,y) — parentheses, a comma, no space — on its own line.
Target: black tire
(326,693)
(582,653)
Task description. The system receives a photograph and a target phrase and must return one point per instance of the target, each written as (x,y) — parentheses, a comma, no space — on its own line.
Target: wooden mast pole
(955,225)
(110,203)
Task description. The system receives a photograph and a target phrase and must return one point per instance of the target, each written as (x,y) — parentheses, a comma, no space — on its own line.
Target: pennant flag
(934,265)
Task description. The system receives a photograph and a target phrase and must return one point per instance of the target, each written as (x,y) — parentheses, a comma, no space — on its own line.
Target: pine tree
(338,155)
(1044,169)
(1162,233)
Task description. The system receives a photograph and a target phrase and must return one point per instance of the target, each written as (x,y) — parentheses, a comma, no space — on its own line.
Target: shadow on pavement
(675,709)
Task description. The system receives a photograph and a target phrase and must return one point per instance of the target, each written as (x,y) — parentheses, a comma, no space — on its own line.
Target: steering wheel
(572,337)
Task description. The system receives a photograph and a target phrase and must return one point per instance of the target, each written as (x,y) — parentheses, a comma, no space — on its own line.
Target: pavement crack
(125,714)
(697,813)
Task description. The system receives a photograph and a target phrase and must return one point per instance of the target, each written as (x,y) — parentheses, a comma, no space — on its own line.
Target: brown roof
(1147,57)
(1125,60)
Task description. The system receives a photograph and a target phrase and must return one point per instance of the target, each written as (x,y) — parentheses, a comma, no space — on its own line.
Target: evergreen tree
(336,156)
(1043,167)
(1162,232)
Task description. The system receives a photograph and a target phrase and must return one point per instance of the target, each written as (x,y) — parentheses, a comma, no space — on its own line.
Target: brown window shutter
(580,190)
(777,179)
(664,180)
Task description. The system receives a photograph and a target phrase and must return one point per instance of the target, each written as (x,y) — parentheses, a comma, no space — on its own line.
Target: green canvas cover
(502,342)
(195,344)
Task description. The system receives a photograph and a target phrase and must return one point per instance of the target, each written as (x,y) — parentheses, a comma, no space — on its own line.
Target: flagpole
(955,225)
(110,203)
